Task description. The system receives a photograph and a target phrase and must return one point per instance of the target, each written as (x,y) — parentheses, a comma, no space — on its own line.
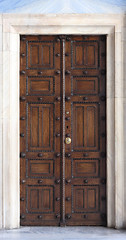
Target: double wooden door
(63,130)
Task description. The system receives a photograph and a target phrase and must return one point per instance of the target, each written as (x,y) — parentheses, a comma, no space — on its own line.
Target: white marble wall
(1,121)
(11,27)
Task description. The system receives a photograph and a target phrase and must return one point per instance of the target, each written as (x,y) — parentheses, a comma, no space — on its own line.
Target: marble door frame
(11,26)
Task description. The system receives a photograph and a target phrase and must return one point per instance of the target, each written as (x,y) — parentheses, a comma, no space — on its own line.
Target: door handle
(68,140)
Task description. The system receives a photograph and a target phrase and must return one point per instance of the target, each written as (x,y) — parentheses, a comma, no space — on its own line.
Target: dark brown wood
(63,130)
(40,166)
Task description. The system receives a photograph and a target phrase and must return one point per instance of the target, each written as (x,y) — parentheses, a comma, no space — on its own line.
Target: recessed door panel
(63,130)
(40,131)
(40,54)
(85,126)
(85,54)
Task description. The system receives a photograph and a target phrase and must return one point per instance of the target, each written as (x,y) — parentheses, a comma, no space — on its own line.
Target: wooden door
(63,130)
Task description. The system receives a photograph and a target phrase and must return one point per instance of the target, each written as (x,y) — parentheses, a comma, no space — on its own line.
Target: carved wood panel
(63,130)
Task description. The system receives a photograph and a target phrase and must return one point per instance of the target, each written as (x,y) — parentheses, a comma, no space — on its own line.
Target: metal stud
(67,98)
(22,54)
(57,54)
(58,135)
(40,181)
(58,40)
(57,181)
(68,38)
(85,181)
(57,72)
(85,154)
(85,72)
(23,38)
(67,72)
(57,118)
(23,181)
(58,99)
(22,216)
(67,112)
(22,135)
(57,154)
(40,98)
(22,98)
(85,98)
(40,73)
(68,135)
(22,118)
(68,155)
(39,216)
(39,154)
(58,199)
(85,37)
(22,155)
(67,198)
(68,216)
(67,118)
(22,198)
(22,72)
(68,181)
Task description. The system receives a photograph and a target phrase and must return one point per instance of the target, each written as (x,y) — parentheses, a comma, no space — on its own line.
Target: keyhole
(67,127)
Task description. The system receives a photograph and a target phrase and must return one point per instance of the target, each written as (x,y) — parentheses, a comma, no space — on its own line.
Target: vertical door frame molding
(11,27)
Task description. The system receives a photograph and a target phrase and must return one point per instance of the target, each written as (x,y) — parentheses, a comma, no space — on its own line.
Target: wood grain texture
(64,95)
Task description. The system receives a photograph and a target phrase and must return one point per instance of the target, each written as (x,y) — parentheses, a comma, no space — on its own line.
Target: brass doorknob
(68,140)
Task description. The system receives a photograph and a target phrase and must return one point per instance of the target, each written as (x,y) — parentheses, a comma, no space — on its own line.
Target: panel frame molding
(12,26)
